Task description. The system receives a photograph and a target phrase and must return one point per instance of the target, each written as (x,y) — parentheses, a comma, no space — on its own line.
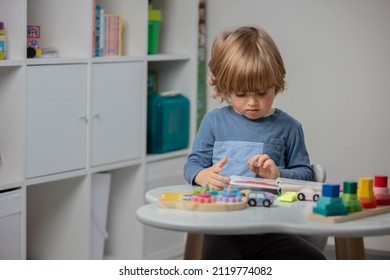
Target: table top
(282,217)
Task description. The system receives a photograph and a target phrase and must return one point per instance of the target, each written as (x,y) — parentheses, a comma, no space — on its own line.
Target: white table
(283,217)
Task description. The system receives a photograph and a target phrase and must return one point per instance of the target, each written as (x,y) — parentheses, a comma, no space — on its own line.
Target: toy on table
(366,198)
(259,198)
(365,193)
(287,197)
(330,203)
(381,191)
(308,194)
(229,195)
(350,198)
(204,199)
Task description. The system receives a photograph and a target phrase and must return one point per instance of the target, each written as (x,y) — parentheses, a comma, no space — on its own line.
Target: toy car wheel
(301,196)
(252,202)
(316,197)
(266,203)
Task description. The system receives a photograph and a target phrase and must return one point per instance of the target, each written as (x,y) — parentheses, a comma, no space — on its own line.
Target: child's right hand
(210,176)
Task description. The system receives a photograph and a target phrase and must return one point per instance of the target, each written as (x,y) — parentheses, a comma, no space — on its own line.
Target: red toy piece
(382,192)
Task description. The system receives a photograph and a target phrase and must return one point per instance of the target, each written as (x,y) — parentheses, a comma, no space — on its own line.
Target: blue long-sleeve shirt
(225,132)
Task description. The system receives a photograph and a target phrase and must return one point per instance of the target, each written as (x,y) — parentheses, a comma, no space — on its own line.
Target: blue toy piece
(229,195)
(330,203)
(330,190)
(259,198)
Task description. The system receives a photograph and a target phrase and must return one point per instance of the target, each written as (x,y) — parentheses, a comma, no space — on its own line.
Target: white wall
(337,57)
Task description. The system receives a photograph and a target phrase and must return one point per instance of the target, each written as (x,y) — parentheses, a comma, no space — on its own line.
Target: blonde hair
(245,60)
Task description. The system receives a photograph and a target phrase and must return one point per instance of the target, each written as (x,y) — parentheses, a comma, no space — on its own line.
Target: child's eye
(262,93)
(240,94)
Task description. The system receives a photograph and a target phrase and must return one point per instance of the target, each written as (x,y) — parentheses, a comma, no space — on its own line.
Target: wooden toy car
(258,198)
(308,194)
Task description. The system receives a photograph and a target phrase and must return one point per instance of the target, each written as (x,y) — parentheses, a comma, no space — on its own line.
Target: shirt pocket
(275,149)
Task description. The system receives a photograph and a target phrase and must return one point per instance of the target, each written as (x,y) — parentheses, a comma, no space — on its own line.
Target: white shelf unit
(66,118)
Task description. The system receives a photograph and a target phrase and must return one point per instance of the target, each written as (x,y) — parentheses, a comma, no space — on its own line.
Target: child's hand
(264,166)
(210,176)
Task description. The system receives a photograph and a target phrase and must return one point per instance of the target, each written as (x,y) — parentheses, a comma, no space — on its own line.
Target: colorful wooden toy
(229,195)
(308,194)
(381,191)
(349,196)
(259,198)
(330,203)
(204,199)
(365,192)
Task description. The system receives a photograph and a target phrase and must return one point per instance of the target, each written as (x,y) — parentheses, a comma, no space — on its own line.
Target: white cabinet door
(117,114)
(56,119)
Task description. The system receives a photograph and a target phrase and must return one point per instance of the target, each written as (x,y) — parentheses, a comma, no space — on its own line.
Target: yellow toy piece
(288,197)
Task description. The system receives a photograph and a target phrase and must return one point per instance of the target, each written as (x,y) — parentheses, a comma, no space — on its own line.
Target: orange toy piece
(365,193)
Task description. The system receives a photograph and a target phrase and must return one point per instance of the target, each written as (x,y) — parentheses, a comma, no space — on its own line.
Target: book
(242,182)
(113,35)
(102,34)
(107,32)
(279,184)
(97,30)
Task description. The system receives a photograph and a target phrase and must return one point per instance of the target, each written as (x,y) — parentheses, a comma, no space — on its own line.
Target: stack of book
(107,33)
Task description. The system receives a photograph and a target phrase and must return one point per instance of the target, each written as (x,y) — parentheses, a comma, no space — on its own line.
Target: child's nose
(252,101)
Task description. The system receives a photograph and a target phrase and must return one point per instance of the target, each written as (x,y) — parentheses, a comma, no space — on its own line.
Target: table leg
(348,248)
(193,249)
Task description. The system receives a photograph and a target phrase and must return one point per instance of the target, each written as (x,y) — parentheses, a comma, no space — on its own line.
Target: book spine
(97,32)
(93,27)
(109,35)
(102,33)
(120,36)
(116,38)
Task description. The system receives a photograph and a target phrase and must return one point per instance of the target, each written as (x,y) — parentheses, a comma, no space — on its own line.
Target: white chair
(193,248)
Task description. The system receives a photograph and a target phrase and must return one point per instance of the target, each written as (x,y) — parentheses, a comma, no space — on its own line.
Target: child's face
(253,105)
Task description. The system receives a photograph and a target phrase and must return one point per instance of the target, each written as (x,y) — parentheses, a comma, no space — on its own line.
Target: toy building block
(330,203)
(204,201)
(381,191)
(204,196)
(259,198)
(365,193)
(229,195)
(287,197)
(349,196)
(207,195)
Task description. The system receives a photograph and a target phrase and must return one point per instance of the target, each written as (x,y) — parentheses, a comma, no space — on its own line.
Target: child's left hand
(264,166)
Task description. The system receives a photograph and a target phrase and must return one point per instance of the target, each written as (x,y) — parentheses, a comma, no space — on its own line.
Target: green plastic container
(168,123)
(153,30)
